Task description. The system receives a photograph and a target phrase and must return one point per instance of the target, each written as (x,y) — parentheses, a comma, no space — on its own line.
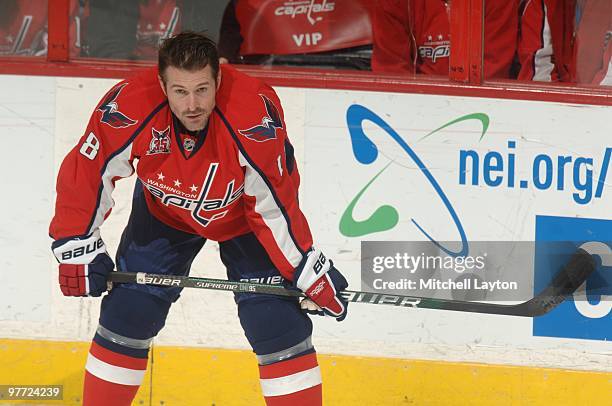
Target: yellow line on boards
(220,377)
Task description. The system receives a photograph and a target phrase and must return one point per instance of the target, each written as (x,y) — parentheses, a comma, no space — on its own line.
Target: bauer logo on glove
(84,265)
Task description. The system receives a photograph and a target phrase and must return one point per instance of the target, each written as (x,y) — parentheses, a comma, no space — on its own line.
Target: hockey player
(567,41)
(413,36)
(214,162)
(545,41)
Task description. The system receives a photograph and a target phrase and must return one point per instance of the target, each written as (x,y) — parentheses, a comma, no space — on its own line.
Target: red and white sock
(295,382)
(111,378)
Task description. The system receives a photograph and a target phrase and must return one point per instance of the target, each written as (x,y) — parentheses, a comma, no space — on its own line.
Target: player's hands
(84,265)
(322,282)
(86,279)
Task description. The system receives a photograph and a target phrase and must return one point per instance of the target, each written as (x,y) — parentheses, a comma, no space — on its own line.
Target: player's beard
(195,120)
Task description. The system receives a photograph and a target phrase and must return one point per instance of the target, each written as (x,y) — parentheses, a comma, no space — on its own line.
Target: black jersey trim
(179,129)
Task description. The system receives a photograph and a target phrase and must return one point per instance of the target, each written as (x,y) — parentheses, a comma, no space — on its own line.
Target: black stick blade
(580,266)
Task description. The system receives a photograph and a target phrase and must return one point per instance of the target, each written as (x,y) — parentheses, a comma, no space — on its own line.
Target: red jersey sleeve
(271,185)
(393,49)
(545,47)
(88,173)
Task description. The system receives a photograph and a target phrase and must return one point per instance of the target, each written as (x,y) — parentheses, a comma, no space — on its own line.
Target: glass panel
(411,37)
(23,27)
(307,33)
(133,29)
(564,41)
(123,29)
(593,42)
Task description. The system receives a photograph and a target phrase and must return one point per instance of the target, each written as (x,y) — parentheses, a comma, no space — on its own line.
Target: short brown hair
(188,50)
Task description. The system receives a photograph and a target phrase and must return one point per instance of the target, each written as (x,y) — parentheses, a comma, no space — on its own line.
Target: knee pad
(276,327)
(129,319)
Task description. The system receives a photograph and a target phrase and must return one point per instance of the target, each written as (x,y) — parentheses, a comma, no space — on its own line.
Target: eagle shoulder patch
(265,131)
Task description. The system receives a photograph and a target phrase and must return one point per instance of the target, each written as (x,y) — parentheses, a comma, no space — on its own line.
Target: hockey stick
(571,276)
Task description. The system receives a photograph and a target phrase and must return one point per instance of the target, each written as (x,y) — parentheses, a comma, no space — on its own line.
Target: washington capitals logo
(160,142)
(110,110)
(267,129)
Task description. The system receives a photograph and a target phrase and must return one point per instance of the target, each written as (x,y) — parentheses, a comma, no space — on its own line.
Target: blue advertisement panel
(588,314)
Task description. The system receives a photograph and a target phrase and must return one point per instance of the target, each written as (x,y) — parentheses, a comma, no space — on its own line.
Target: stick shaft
(577,270)
(351,296)
(201,283)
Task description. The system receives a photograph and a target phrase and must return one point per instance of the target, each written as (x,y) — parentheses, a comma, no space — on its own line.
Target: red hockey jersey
(158,20)
(240,177)
(413,36)
(566,40)
(545,42)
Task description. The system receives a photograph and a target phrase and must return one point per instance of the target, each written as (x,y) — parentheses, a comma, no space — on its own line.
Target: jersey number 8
(90,147)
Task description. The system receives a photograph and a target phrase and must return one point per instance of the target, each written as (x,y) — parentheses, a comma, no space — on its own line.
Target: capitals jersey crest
(110,110)
(267,129)
(203,207)
(160,141)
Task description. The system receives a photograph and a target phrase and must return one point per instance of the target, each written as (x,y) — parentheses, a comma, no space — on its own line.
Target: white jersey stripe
(86,279)
(291,383)
(271,214)
(543,65)
(172,23)
(22,33)
(118,166)
(607,79)
(112,373)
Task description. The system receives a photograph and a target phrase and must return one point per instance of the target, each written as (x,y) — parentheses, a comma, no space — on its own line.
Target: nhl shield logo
(160,142)
(188,144)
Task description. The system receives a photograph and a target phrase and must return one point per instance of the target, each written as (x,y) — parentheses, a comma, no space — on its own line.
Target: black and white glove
(322,282)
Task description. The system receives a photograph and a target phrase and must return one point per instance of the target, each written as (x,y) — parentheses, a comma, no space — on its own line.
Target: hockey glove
(322,282)
(84,265)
